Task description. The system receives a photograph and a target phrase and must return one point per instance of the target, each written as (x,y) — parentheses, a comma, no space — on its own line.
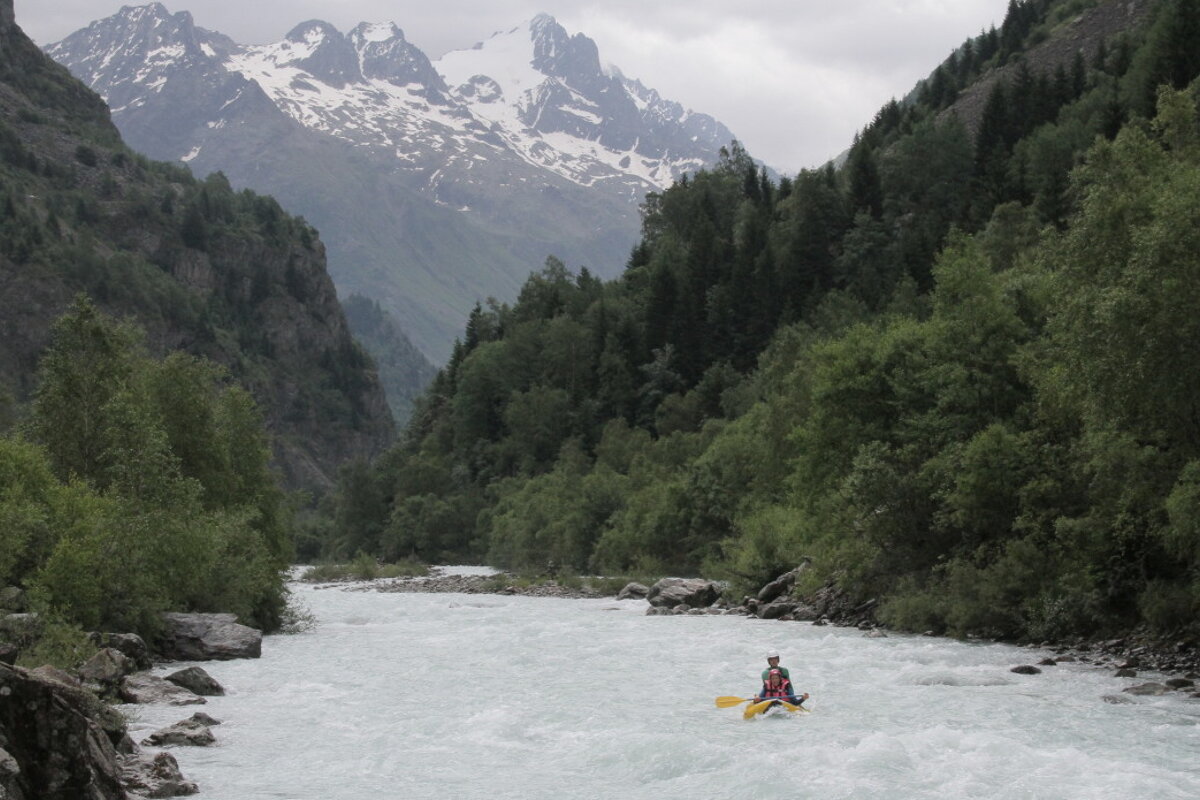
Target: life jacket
(783,690)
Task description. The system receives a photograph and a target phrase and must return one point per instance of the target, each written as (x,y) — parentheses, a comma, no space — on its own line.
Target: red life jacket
(784,689)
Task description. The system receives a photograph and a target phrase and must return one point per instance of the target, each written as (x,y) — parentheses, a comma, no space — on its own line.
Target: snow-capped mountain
(434,184)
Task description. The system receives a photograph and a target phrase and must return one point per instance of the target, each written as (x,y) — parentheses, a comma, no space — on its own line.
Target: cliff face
(222,274)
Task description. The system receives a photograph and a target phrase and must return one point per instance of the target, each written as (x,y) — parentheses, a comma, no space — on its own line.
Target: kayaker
(779,687)
(773,663)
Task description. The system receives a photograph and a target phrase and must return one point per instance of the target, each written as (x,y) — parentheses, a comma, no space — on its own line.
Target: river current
(482,696)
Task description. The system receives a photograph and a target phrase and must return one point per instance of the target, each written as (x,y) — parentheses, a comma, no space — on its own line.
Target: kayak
(768,708)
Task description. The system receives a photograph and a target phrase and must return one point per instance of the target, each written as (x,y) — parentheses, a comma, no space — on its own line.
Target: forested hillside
(220,274)
(957,373)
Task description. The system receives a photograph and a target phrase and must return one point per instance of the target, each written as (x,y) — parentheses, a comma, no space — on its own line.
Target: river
(486,696)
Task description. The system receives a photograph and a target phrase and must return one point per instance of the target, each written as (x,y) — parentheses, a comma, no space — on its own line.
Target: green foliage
(146,487)
(58,643)
(363,568)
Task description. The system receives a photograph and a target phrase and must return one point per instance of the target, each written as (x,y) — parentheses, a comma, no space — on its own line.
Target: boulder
(197,681)
(130,645)
(1126,673)
(1026,669)
(208,637)
(53,674)
(775,610)
(1150,689)
(658,611)
(204,719)
(155,776)
(690,592)
(9,653)
(186,732)
(802,612)
(1180,683)
(633,591)
(143,687)
(106,669)
(56,742)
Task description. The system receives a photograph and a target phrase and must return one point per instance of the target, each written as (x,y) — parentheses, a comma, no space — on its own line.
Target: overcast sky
(793,79)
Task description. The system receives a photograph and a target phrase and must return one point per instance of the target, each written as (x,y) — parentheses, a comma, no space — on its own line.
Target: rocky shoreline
(60,738)
(1175,664)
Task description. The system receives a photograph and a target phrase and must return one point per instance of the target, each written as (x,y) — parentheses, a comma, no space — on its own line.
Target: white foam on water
(455,696)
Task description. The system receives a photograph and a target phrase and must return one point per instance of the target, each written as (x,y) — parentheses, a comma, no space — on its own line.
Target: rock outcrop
(690,592)
(58,741)
(197,681)
(186,732)
(208,637)
(145,688)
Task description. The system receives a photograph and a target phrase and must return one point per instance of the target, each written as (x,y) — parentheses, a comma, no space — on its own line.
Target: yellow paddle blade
(756,708)
(730,702)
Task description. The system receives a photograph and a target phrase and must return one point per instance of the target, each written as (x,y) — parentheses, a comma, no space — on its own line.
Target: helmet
(772,654)
(775,672)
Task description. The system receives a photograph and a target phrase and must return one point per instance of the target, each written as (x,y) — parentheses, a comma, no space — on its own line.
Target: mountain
(201,268)
(436,184)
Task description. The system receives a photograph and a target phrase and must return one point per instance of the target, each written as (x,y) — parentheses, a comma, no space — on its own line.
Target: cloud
(793,80)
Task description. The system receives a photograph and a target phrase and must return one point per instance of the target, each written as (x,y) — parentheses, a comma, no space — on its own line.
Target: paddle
(727,701)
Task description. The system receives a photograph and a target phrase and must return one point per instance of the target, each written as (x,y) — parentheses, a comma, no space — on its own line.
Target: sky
(792,79)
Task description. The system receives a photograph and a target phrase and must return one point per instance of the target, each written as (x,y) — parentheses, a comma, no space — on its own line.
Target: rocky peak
(146,39)
(574,59)
(384,54)
(320,49)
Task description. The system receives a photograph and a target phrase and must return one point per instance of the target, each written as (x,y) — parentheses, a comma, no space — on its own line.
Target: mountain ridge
(437,184)
(222,275)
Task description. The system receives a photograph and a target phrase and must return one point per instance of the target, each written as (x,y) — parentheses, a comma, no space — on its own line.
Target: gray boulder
(204,719)
(106,669)
(775,610)
(690,592)
(130,644)
(1026,669)
(781,586)
(208,637)
(187,732)
(144,688)
(155,775)
(197,681)
(633,591)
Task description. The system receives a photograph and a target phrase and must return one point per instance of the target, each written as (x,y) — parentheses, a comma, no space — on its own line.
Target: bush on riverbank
(363,568)
(141,485)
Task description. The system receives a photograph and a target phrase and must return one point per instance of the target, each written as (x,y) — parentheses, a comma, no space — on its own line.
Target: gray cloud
(793,79)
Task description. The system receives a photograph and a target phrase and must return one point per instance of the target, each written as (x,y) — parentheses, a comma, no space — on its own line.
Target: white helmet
(772,654)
